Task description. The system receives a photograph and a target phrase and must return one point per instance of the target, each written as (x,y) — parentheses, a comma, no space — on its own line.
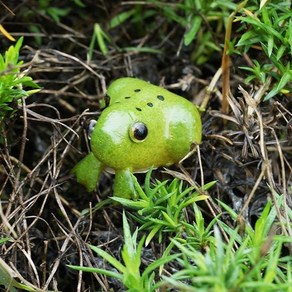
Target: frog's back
(124,88)
(136,90)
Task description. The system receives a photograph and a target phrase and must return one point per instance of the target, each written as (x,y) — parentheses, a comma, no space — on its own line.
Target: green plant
(161,209)
(269,29)
(263,27)
(102,39)
(247,262)
(198,234)
(248,259)
(46,7)
(13,80)
(99,36)
(129,273)
(201,20)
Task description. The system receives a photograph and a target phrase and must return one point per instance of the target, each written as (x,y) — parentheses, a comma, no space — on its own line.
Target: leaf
(115,263)
(151,234)
(139,189)
(130,242)
(131,252)
(28,81)
(101,36)
(98,271)
(6,33)
(5,239)
(287,77)
(79,3)
(140,204)
(97,207)
(7,276)
(248,38)
(171,222)
(147,184)
(190,35)
(12,55)
(265,15)
(270,272)
(209,185)
(263,3)
(158,263)
(121,18)
(270,45)
(194,199)
(230,211)
(281,51)
(142,50)
(262,226)
(56,13)
(33,91)
(266,30)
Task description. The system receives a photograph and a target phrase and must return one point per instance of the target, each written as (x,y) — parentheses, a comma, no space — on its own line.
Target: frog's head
(143,126)
(124,139)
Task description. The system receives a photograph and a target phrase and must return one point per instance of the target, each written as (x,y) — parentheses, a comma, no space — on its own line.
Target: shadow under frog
(143,126)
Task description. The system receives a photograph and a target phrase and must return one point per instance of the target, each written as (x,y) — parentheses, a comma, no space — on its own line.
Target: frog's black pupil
(140,131)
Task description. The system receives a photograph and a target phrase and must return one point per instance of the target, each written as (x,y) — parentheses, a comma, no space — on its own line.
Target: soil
(247,150)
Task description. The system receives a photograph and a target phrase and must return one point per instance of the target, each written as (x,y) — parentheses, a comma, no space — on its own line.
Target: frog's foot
(87,171)
(124,185)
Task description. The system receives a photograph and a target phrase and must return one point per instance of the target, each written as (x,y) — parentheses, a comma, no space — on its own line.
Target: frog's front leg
(124,185)
(87,171)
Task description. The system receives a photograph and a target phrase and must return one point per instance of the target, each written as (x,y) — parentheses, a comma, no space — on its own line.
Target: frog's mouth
(112,171)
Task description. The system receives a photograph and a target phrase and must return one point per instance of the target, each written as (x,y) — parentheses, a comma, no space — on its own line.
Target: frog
(143,126)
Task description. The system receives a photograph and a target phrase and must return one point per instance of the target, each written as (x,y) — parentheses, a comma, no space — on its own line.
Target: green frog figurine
(143,126)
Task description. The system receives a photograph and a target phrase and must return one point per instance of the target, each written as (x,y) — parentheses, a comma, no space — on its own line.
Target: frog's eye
(138,132)
(91,128)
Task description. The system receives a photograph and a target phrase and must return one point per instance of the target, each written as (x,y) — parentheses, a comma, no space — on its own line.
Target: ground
(246,149)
